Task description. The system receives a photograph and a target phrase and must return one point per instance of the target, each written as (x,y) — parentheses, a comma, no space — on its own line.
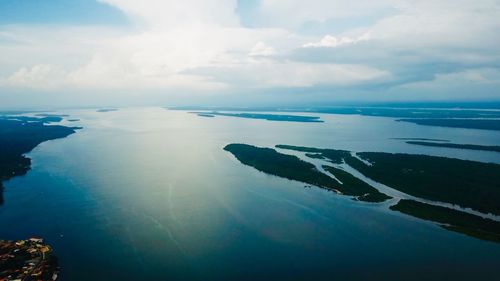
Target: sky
(247,52)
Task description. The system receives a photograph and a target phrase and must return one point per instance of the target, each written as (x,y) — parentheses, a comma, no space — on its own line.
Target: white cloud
(330,41)
(262,50)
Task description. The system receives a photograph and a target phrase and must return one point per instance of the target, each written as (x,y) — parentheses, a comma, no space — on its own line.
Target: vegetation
(469,184)
(315,155)
(270,161)
(351,185)
(481,124)
(450,219)
(18,137)
(466,183)
(456,145)
(335,156)
(269,117)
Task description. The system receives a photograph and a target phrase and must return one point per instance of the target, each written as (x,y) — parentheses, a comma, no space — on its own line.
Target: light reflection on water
(149,193)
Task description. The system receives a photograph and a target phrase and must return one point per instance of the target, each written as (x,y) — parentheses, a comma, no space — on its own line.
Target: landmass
(270,161)
(269,117)
(480,124)
(19,136)
(29,259)
(205,115)
(25,259)
(102,110)
(458,146)
(450,219)
(45,119)
(467,184)
(388,110)
(420,139)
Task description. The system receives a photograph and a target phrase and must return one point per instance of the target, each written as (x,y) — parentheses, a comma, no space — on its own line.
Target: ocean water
(148,193)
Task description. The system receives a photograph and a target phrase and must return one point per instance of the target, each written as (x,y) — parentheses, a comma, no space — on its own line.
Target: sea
(150,194)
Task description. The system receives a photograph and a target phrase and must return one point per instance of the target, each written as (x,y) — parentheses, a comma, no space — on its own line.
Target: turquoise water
(147,193)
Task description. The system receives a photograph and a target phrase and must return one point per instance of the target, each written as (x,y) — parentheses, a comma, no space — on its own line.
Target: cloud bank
(407,49)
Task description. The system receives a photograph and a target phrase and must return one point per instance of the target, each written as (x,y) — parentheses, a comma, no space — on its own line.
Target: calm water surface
(147,193)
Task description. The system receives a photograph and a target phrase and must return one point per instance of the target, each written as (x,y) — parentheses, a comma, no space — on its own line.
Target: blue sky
(59,12)
(247,52)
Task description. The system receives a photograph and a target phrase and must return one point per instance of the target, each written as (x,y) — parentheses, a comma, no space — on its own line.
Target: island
(432,179)
(205,115)
(29,259)
(268,117)
(493,148)
(468,184)
(291,167)
(103,110)
(480,124)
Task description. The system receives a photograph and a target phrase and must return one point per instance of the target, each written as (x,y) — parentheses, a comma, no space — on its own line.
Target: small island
(493,148)
(103,110)
(480,124)
(268,117)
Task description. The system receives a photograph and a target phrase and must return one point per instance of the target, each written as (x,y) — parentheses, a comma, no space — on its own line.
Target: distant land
(420,139)
(494,148)
(103,110)
(481,124)
(269,117)
(18,136)
(45,119)
(468,184)
(376,111)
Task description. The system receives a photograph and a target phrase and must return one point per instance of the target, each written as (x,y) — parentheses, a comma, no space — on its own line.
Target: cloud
(330,41)
(262,50)
(196,45)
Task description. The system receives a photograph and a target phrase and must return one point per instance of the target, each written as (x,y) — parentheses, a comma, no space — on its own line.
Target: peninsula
(18,136)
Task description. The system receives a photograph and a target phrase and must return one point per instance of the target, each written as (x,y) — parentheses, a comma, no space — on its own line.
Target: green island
(494,148)
(469,184)
(270,161)
(268,117)
(450,219)
(481,124)
(20,135)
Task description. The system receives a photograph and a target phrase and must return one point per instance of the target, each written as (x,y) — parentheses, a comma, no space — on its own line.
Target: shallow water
(147,193)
